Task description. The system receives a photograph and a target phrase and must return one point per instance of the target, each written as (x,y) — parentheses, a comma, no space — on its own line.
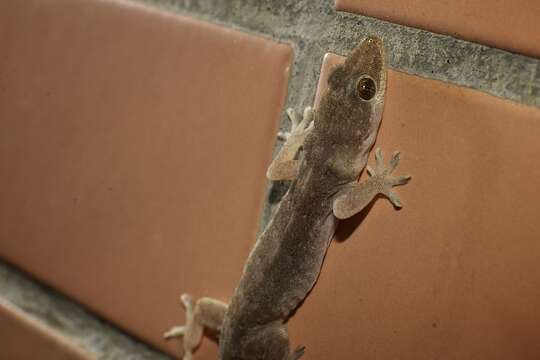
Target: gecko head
(351,109)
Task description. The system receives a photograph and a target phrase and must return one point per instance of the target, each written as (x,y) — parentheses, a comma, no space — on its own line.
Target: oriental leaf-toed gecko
(285,262)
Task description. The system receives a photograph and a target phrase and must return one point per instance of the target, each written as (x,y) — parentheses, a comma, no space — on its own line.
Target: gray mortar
(312,28)
(98,338)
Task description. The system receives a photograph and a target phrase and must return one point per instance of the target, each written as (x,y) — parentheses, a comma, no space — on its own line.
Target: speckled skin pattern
(323,155)
(286,259)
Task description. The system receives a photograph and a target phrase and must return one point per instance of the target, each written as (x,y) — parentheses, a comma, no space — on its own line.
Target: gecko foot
(382,174)
(299,129)
(285,165)
(191,332)
(177,331)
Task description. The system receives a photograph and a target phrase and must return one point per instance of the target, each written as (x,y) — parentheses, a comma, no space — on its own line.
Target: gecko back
(283,266)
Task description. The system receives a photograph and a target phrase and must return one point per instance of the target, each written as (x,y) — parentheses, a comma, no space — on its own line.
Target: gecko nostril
(366,88)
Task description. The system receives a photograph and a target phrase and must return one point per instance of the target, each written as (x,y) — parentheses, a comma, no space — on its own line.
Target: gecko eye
(366,88)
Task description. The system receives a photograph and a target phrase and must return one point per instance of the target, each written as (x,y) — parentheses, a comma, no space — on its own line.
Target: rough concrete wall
(313,28)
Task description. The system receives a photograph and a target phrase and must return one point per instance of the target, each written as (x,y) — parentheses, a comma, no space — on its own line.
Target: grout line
(313,28)
(92,334)
(40,327)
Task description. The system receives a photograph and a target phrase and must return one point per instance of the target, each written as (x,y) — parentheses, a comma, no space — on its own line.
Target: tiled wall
(133,150)
(25,338)
(462,253)
(511,25)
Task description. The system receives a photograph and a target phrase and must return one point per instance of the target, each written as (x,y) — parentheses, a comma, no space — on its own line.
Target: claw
(400,180)
(175,331)
(379,155)
(310,126)
(393,161)
(283,135)
(394,199)
(297,353)
(370,170)
(308,116)
(379,160)
(293,117)
(187,301)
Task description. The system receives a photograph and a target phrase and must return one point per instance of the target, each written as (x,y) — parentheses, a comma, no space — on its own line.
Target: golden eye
(366,88)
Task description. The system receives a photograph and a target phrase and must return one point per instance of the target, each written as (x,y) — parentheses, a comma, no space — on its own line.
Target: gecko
(323,156)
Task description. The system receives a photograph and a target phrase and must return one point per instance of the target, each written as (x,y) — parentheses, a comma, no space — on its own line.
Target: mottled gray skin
(286,260)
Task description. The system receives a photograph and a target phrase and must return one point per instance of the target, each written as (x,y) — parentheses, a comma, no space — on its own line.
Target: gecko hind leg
(354,198)
(205,313)
(285,166)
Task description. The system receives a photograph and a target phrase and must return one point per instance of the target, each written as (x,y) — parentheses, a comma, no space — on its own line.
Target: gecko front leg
(353,199)
(205,313)
(285,166)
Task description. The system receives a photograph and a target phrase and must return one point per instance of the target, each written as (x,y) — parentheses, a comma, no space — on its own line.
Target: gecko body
(286,260)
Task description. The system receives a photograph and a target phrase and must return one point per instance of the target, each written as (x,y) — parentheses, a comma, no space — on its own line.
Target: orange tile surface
(455,273)
(23,338)
(510,25)
(133,152)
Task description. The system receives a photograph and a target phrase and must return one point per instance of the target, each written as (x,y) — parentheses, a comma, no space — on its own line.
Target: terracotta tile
(455,273)
(133,152)
(511,25)
(24,338)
